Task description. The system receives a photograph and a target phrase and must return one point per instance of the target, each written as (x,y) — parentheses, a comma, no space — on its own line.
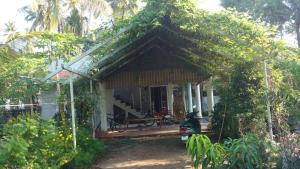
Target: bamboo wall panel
(154,77)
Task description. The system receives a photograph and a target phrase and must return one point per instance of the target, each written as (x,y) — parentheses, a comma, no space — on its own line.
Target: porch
(153,131)
(150,75)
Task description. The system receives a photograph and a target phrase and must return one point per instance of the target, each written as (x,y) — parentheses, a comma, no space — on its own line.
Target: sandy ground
(145,153)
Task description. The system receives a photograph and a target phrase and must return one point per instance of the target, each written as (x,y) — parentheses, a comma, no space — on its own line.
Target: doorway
(159,99)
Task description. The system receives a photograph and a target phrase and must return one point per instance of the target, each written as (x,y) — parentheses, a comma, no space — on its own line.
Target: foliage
(283,13)
(22,70)
(227,37)
(205,153)
(123,9)
(241,108)
(246,152)
(75,16)
(289,157)
(88,150)
(28,138)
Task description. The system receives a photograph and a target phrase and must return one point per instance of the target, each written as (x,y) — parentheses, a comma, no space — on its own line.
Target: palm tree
(123,9)
(46,15)
(82,12)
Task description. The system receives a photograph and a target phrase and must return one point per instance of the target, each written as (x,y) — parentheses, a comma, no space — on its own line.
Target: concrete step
(127,108)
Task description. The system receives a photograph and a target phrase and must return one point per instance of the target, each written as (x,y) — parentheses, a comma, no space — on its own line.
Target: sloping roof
(170,41)
(81,65)
(202,39)
(163,37)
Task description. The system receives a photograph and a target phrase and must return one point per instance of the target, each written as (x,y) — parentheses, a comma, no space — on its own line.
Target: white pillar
(184,98)
(210,98)
(73,112)
(190,99)
(93,111)
(103,105)
(198,100)
(170,98)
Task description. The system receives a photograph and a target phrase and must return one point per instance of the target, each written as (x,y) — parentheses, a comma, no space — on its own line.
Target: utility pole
(269,116)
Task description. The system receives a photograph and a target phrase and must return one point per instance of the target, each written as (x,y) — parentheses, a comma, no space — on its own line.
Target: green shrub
(29,142)
(88,150)
(203,152)
(246,152)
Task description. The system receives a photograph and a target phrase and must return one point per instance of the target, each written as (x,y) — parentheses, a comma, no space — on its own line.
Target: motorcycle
(190,125)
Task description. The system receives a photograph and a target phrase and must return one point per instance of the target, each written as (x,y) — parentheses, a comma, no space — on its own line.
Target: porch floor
(153,131)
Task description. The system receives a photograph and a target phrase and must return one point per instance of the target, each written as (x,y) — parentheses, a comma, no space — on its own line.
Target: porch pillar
(103,106)
(198,100)
(210,98)
(170,98)
(184,98)
(190,99)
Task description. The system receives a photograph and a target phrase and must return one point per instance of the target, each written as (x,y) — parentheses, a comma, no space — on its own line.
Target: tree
(46,15)
(10,27)
(82,13)
(20,71)
(283,13)
(64,16)
(123,9)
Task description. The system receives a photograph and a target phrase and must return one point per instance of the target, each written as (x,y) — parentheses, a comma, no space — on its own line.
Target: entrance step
(127,108)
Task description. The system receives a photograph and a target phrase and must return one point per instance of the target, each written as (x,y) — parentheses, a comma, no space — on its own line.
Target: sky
(10,11)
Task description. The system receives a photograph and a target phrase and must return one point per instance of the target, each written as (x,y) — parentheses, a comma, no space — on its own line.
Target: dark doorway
(159,99)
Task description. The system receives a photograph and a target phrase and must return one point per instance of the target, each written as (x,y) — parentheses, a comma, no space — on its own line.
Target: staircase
(127,108)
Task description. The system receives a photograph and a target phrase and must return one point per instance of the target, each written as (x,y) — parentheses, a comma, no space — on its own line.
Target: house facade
(152,73)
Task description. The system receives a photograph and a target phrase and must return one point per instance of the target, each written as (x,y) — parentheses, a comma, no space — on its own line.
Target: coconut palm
(123,9)
(83,12)
(46,15)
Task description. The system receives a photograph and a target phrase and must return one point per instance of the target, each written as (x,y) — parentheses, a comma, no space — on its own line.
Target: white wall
(48,103)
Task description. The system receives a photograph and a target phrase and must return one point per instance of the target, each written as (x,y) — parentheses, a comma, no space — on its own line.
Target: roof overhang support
(73,112)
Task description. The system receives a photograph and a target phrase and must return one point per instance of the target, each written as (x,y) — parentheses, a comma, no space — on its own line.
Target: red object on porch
(158,114)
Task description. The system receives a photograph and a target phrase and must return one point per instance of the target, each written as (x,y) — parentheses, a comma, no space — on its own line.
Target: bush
(203,152)
(29,142)
(246,152)
(242,104)
(88,150)
(289,157)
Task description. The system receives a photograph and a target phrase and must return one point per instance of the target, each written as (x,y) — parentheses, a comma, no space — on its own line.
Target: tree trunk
(298,34)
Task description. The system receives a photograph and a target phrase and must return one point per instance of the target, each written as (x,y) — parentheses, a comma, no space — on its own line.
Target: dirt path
(145,153)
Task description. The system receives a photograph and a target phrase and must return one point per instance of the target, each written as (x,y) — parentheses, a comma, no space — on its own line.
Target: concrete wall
(48,103)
